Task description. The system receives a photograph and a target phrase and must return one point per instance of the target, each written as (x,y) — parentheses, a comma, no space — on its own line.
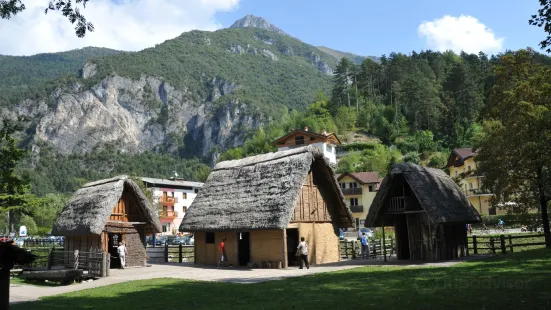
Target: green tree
(345,119)
(516,146)
(10,8)
(342,82)
(46,210)
(14,196)
(543,19)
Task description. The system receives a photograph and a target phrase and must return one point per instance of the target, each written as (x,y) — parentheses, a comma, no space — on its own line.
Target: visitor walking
(365,246)
(303,250)
(122,251)
(222,249)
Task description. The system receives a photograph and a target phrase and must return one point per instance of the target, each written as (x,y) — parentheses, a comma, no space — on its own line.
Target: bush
(511,220)
(412,157)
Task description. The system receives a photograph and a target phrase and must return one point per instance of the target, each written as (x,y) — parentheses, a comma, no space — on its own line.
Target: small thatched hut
(264,204)
(428,211)
(102,213)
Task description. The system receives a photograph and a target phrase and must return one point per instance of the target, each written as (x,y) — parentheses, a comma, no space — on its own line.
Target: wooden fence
(95,263)
(353,249)
(504,243)
(171,254)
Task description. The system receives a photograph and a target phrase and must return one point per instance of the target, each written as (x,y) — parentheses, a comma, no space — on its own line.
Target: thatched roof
(90,207)
(435,191)
(260,192)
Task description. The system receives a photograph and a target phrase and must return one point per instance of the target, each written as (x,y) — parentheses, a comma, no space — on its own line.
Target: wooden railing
(168,200)
(168,213)
(504,243)
(357,209)
(171,254)
(395,205)
(351,191)
(353,249)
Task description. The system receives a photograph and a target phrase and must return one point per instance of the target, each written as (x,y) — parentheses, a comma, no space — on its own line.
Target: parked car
(368,232)
(20,242)
(341,234)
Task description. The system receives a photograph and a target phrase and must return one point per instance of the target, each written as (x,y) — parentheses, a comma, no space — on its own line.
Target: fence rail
(503,243)
(171,254)
(352,249)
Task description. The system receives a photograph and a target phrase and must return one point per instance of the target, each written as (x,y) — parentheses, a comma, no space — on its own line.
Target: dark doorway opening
(114,240)
(402,238)
(243,248)
(292,244)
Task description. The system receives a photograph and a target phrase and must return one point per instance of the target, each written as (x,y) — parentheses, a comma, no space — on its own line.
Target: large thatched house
(264,204)
(102,213)
(428,211)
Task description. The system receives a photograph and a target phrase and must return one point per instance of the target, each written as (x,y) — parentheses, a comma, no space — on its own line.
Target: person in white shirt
(303,251)
(122,251)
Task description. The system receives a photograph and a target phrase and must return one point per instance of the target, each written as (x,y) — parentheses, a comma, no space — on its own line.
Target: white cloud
(463,33)
(119,24)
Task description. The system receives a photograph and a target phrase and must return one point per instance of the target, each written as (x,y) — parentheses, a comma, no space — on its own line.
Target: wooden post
(502,241)
(108,265)
(475,249)
(4,288)
(166,252)
(492,245)
(75,260)
(353,249)
(391,246)
(104,264)
(384,244)
(511,243)
(50,259)
(374,248)
(180,253)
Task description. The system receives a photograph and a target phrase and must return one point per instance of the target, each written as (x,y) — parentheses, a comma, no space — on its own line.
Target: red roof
(465,152)
(362,177)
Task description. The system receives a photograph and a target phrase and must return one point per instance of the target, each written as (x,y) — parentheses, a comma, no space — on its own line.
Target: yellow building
(463,166)
(359,189)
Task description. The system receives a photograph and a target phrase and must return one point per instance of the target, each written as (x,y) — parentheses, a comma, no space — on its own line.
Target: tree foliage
(516,145)
(67,8)
(543,20)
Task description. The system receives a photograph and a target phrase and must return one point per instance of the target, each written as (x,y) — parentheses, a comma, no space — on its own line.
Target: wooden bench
(65,276)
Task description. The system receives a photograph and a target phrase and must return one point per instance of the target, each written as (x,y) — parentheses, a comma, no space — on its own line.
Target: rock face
(251,21)
(139,115)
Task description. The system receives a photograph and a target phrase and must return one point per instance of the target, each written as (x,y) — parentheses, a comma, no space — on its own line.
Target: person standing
(303,250)
(122,251)
(365,246)
(222,249)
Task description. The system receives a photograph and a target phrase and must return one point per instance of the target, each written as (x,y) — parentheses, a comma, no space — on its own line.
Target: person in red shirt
(223,257)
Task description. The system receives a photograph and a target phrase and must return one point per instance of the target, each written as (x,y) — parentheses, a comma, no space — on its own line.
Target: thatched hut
(264,204)
(428,211)
(105,212)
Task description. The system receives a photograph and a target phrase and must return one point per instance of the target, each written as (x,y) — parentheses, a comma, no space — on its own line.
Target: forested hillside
(418,106)
(20,75)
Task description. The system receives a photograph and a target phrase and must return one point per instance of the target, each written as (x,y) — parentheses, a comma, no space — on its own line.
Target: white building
(174,196)
(326,142)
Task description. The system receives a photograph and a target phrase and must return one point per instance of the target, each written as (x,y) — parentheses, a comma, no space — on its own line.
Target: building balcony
(351,191)
(168,201)
(477,192)
(357,209)
(168,214)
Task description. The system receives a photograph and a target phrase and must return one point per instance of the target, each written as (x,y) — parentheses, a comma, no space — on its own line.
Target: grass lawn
(512,281)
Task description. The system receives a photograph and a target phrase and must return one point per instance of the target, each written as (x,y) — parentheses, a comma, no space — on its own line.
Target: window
(357,222)
(165,194)
(371,188)
(184,195)
(299,140)
(353,185)
(166,227)
(343,185)
(329,149)
(353,201)
(312,138)
(196,191)
(209,238)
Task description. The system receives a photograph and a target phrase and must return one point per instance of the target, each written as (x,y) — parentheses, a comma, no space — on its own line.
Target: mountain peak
(251,21)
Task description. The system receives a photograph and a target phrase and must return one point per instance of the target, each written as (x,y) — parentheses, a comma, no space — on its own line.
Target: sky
(363,27)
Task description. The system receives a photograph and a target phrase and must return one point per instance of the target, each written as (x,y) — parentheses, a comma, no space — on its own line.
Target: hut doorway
(243,248)
(402,238)
(292,243)
(114,240)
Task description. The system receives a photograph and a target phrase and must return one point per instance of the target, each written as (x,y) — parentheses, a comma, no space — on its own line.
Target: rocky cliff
(138,115)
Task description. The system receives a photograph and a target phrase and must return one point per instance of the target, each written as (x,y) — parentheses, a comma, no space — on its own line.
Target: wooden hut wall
(310,205)
(82,243)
